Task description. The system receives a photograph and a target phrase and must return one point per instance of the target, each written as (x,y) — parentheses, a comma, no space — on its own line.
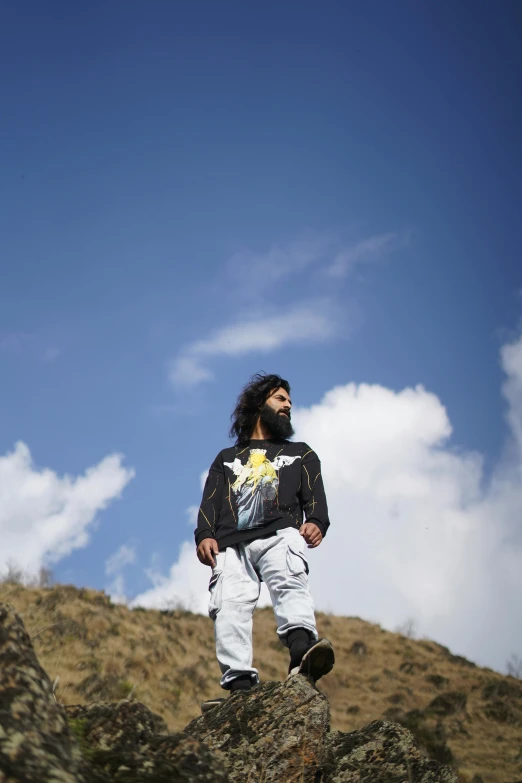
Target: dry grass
(95,650)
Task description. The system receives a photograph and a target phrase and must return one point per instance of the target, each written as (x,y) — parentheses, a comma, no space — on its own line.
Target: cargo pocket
(296,562)
(215,587)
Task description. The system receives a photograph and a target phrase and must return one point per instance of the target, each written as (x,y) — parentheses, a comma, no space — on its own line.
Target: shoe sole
(318,661)
(210,704)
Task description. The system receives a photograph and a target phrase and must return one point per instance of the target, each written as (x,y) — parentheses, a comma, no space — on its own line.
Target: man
(250,529)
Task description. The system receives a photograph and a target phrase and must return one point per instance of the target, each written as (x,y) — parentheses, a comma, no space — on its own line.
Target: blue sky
(340,183)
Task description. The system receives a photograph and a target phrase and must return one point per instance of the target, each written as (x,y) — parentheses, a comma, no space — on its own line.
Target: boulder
(381,752)
(277,732)
(281,732)
(126,742)
(36,744)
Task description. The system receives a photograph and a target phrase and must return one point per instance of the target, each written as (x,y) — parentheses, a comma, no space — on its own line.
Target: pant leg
(234,592)
(283,565)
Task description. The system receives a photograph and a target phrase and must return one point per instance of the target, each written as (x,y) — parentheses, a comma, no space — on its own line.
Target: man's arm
(313,500)
(208,514)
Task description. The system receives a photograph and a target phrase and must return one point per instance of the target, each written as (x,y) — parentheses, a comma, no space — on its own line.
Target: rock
(429,733)
(380,753)
(98,743)
(126,742)
(274,733)
(279,732)
(35,741)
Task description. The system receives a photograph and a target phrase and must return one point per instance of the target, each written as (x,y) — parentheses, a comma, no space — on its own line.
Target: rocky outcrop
(275,733)
(36,744)
(278,732)
(125,742)
(281,732)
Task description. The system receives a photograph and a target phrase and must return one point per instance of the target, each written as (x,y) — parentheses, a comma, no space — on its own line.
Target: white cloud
(192,511)
(114,565)
(184,587)
(253,272)
(43,516)
(417,530)
(308,323)
(192,516)
(124,556)
(187,370)
(366,250)
(512,363)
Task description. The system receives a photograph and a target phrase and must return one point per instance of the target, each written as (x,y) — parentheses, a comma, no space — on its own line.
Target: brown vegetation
(460,714)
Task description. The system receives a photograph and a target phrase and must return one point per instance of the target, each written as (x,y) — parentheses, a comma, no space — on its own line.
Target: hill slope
(460,714)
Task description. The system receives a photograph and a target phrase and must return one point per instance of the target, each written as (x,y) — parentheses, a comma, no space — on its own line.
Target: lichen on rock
(36,744)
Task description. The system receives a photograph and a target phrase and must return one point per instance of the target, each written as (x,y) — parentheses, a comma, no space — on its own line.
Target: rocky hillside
(278,732)
(93,651)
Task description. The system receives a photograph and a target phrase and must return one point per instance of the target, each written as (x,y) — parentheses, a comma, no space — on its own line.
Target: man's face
(275,414)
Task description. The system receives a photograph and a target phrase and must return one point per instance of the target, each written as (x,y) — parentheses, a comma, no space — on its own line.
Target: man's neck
(260,432)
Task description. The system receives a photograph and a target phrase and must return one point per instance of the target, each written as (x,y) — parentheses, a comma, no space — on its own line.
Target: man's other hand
(311,533)
(206,551)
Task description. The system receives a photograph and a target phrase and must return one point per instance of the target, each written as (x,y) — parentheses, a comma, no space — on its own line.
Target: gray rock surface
(281,732)
(36,744)
(278,732)
(125,742)
(380,753)
(275,733)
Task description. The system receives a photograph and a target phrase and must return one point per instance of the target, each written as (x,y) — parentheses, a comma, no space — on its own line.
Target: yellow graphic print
(256,487)
(257,468)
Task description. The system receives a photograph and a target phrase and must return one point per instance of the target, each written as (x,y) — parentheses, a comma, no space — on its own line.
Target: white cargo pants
(280,561)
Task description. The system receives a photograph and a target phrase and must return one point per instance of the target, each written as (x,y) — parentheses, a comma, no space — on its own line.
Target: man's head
(265,397)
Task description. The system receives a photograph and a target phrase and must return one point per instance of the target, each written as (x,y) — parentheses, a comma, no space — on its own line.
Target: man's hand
(206,551)
(311,533)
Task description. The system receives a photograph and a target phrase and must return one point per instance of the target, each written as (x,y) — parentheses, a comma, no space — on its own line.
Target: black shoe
(211,703)
(317,661)
(241,683)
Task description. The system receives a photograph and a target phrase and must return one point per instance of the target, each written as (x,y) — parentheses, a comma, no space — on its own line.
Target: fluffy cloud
(418,531)
(184,587)
(43,516)
(304,323)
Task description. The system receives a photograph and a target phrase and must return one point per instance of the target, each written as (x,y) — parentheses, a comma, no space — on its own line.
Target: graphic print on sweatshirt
(256,486)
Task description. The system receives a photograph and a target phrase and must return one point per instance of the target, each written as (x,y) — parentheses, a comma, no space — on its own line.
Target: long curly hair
(250,401)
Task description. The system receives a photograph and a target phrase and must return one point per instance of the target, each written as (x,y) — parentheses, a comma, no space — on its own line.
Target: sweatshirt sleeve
(313,497)
(211,501)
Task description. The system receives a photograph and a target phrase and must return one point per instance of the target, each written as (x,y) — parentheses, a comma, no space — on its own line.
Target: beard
(278,424)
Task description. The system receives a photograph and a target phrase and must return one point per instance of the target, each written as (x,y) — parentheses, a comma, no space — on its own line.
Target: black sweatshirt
(254,490)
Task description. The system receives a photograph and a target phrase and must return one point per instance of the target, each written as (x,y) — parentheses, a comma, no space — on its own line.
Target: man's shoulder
(298,447)
(305,451)
(226,454)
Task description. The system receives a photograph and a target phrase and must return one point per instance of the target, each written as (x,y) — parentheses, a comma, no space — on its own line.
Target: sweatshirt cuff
(319,524)
(200,535)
